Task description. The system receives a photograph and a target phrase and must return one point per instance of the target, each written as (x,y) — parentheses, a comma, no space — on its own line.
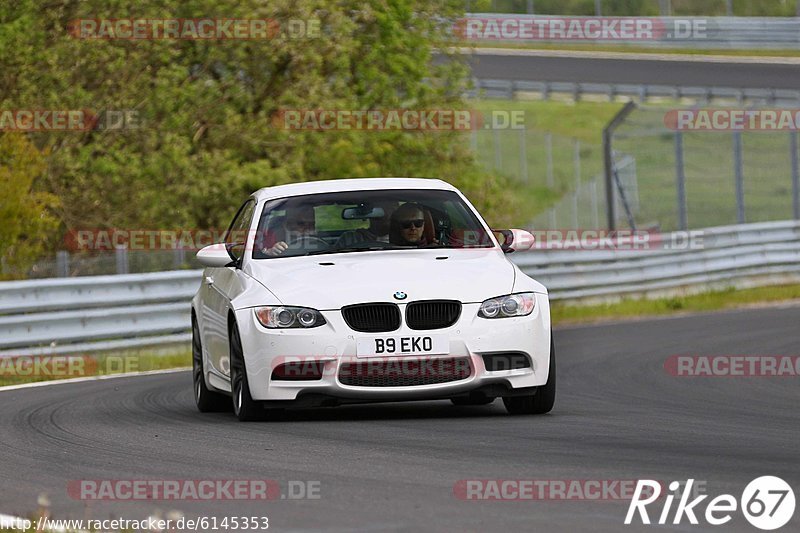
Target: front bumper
(334,344)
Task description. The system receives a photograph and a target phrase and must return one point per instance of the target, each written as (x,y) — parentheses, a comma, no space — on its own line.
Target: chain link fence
(698,179)
(560,177)
(665,180)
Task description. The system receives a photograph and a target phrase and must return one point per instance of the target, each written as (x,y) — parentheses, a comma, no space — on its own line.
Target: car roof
(350,184)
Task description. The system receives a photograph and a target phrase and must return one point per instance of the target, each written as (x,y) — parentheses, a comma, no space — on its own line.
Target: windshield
(357,221)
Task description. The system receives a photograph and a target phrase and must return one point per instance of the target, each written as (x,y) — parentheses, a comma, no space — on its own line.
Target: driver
(408,227)
(300,223)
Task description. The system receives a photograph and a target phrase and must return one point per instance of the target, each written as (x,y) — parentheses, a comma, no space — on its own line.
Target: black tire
(206,400)
(245,407)
(545,397)
(469,401)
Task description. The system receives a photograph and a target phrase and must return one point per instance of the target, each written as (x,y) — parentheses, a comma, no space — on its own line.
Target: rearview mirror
(215,255)
(362,212)
(515,240)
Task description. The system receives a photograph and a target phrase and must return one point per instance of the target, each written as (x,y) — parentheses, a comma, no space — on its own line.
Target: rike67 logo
(767,503)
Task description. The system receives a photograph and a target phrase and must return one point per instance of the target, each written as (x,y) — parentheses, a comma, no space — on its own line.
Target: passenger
(300,223)
(409,226)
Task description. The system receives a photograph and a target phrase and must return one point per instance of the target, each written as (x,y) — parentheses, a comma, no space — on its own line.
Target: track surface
(392,467)
(623,71)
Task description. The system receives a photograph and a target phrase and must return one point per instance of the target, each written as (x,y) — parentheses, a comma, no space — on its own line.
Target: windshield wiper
(350,249)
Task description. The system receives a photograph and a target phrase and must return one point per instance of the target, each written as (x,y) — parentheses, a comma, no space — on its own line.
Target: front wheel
(545,397)
(205,400)
(245,407)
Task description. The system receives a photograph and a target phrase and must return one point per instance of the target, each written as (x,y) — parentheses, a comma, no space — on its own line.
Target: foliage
(206,138)
(27,224)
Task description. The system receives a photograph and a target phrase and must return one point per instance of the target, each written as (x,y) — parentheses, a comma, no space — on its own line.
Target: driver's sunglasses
(407,224)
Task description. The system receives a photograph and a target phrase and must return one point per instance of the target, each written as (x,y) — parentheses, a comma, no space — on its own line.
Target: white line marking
(631,56)
(92,378)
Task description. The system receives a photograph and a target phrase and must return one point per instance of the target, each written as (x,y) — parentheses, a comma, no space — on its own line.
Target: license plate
(405,345)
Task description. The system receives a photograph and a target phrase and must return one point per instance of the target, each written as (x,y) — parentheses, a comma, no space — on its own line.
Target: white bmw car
(368,290)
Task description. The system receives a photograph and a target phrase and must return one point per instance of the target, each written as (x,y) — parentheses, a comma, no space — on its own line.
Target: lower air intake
(404,372)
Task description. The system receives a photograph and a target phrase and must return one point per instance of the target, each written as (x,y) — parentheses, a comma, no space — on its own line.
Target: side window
(460,235)
(236,237)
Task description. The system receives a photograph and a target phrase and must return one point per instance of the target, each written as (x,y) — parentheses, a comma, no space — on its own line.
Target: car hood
(332,281)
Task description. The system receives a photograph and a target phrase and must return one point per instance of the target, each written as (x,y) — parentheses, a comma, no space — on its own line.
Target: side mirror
(215,255)
(515,240)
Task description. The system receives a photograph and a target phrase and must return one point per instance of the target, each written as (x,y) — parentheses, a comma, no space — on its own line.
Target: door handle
(209,280)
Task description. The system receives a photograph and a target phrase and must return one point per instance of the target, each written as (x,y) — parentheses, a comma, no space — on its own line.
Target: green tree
(206,137)
(27,225)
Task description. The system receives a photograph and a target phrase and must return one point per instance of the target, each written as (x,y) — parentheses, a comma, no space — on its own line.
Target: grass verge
(19,370)
(577,120)
(564,314)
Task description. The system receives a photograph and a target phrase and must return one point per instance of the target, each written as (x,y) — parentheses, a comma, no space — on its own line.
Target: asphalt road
(627,71)
(393,467)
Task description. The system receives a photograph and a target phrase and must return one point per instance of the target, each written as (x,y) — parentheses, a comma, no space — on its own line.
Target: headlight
(281,317)
(508,306)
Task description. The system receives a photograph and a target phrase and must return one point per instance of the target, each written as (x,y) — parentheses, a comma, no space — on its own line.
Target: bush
(27,223)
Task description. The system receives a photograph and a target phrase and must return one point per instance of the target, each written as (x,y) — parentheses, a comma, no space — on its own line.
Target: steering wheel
(307,241)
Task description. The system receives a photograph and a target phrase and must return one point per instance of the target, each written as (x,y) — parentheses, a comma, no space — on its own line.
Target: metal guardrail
(767,33)
(545,90)
(69,315)
(103,313)
(740,256)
